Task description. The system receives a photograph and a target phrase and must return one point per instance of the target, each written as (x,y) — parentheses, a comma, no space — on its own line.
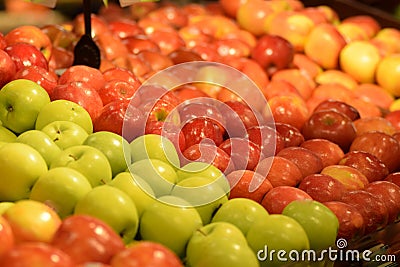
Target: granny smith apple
(64,110)
(20,166)
(158,174)
(89,161)
(114,207)
(42,143)
(203,193)
(114,147)
(137,188)
(61,188)
(275,237)
(65,133)
(4,205)
(242,212)
(319,222)
(6,135)
(154,146)
(170,225)
(21,101)
(219,244)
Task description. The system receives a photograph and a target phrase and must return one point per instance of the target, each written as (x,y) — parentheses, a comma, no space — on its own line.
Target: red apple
(7,68)
(6,237)
(87,239)
(244,153)
(329,152)
(168,130)
(139,43)
(170,14)
(156,60)
(122,74)
(273,53)
(350,177)
(383,146)
(331,125)
(290,134)
(81,93)
(81,73)
(368,124)
(3,42)
(394,177)
(188,92)
(35,254)
(322,187)
(111,46)
(367,164)
(339,106)
(33,35)
(279,171)
(267,138)
(117,89)
(182,55)
(394,118)
(351,222)
(389,193)
(47,79)
(124,28)
(248,184)
(251,16)
(373,210)
(168,42)
(146,253)
(368,23)
(279,197)
(61,58)
(99,25)
(308,161)
(200,128)
(25,55)
(232,48)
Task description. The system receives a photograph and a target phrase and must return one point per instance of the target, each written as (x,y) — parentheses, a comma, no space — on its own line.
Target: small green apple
(277,234)
(4,205)
(242,212)
(64,110)
(114,146)
(219,244)
(89,161)
(203,193)
(137,188)
(65,133)
(61,188)
(158,174)
(6,135)
(319,222)
(20,103)
(170,225)
(41,142)
(154,146)
(114,207)
(20,167)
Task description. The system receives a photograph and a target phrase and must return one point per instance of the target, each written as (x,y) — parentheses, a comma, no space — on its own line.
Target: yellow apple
(388,74)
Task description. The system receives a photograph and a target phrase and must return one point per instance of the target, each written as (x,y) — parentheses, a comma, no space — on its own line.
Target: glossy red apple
(308,161)
(331,125)
(351,222)
(122,74)
(25,55)
(197,129)
(290,134)
(47,79)
(267,138)
(366,163)
(373,209)
(339,106)
(81,73)
(322,187)
(182,55)
(6,237)
(171,15)
(139,43)
(61,58)
(350,177)
(248,184)
(124,28)
(368,124)
(389,193)
(168,42)
(394,177)
(87,239)
(394,118)
(329,152)
(279,197)
(117,89)
(279,171)
(7,68)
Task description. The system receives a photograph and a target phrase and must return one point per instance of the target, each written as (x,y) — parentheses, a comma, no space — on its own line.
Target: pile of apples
(211,135)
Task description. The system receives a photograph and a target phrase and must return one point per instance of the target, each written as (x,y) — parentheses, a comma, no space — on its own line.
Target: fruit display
(226,133)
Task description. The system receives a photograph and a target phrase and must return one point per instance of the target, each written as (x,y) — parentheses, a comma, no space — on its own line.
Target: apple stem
(201,232)
(73,157)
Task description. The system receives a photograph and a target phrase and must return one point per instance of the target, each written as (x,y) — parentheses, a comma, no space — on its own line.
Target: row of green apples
(139,188)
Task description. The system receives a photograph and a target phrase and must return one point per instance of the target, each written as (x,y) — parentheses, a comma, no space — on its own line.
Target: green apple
(319,222)
(158,174)
(203,193)
(154,146)
(114,146)
(65,133)
(41,142)
(4,205)
(61,188)
(277,234)
(20,103)
(6,135)
(219,244)
(170,225)
(89,161)
(242,212)
(20,167)
(137,188)
(114,207)
(64,110)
